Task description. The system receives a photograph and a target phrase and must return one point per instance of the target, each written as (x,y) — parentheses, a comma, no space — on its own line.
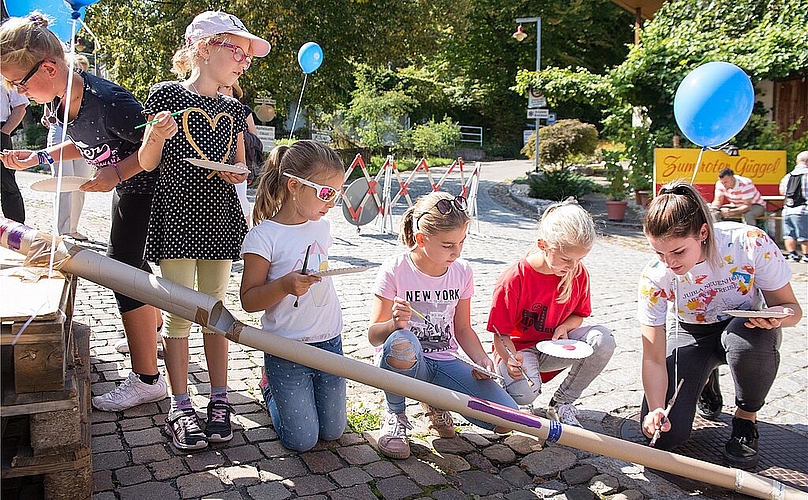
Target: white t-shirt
(318,316)
(10,99)
(434,297)
(750,261)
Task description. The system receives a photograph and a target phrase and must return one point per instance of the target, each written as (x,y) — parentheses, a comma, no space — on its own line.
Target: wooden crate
(34,315)
(48,434)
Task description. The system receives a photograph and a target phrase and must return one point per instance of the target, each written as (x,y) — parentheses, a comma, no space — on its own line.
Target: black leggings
(127,238)
(751,354)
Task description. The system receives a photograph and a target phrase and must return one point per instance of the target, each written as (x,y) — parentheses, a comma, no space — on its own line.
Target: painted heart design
(214,123)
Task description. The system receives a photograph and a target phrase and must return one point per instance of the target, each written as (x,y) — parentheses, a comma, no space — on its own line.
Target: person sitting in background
(794,186)
(736,196)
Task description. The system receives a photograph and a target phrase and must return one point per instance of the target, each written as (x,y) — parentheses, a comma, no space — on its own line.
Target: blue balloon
(61,14)
(310,57)
(713,103)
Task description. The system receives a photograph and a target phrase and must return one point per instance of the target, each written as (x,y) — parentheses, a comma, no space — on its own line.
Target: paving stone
(228,495)
(454,446)
(358,492)
(550,489)
(132,475)
(604,484)
(103,444)
(479,483)
(321,462)
(627,495)
(499,454)
(309,485)
(243,454)
(478,461)
(152,435)
(136,424)
(240,475)
(107,495)
(273,490)
(109,460)
(168,469)
(515,476)
(350,476)
(520,495)
(420,472)
(579,475)
(199,484)
(154,489)
(395,488)
(382,469)
(579,492)
(274,449)
(350,439)
(523,445)
(358,455)
(102,481)
(549,461)
(149,454)
(103,428)
(205,460)
(276,469)
(448,463)
(449,494)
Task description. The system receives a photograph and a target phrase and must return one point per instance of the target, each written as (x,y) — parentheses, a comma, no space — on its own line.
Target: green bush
(432,138)
(36,136)
(615,175)
(504,151)
(563,140)
(559,184)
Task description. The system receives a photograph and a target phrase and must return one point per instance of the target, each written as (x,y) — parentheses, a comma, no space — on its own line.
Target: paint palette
(477,367)
(565,348)
(69,183)
(215,165)
(341,270)
(738,313)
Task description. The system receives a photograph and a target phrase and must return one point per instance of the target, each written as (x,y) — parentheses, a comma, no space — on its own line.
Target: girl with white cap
(197,226)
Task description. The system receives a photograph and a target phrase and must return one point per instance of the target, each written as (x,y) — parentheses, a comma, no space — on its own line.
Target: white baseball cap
(216,22)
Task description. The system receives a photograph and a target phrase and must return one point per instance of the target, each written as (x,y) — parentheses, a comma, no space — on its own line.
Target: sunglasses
(238,53)
(324,193)
(445,206)
(21,85)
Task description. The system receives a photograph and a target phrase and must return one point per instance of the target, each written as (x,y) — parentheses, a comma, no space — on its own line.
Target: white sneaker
(130,393)
(122,346)
(565,413)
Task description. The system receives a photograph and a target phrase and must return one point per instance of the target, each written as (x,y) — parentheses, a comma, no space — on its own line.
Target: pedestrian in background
(736,197)
(289,242)
(197,226)
(701,271)
(12,111)
(794,186)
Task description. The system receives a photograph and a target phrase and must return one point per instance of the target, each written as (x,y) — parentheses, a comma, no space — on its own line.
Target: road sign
(267,136)
(551,119)
(536,114)
(535,99)
(321,138)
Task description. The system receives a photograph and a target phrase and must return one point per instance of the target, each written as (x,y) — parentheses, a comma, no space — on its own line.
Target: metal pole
(536,20)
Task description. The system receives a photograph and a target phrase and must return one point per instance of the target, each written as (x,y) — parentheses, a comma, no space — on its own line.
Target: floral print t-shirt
(750,261)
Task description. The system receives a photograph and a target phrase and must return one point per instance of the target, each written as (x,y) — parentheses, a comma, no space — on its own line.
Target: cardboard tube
(211,314)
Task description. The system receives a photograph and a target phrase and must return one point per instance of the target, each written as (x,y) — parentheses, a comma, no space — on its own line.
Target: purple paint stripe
(508,414)
(15,236)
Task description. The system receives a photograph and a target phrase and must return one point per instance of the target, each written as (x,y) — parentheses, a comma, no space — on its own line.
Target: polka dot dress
(193,216)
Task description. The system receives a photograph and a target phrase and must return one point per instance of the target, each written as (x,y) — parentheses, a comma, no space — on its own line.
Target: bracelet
(118,172)
(44,157)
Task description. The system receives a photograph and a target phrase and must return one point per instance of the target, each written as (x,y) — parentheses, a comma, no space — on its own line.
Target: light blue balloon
(60,12)
(310,57)
(713,103)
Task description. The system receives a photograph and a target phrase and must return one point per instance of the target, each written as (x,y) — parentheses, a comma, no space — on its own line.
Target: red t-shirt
(524,304)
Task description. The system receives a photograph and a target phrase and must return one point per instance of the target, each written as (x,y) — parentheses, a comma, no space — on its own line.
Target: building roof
(647,7)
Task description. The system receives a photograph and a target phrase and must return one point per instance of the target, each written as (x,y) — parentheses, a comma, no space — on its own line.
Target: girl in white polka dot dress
(299,185)
(197,226)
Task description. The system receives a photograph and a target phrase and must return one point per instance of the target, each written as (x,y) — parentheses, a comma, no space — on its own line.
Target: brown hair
(679,211)
(424,218)
(303,159)
(24,41)
(565,225)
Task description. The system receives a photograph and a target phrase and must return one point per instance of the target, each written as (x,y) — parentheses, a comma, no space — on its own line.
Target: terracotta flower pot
(642,197)
(616,210)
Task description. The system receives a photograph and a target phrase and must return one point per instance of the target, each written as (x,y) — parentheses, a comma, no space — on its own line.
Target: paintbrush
(513,356)
(303,270)
(175,113)
(665,413)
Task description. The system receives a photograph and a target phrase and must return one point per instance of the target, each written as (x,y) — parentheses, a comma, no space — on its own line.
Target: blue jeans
(305,404)
(452,374)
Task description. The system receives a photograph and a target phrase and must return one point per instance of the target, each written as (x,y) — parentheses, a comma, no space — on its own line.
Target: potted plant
(640,154)
(616,188)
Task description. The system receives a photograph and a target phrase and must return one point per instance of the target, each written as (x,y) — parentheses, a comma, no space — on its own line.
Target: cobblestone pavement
(132,458)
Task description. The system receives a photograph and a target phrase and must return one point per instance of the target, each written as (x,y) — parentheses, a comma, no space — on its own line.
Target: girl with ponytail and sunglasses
(726,287)
(289,241)
(546,296)
(421,315)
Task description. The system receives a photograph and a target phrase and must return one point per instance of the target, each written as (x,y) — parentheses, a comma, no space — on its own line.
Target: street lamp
(521,35)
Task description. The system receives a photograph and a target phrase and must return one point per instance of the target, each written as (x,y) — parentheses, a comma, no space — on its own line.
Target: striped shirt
(744,192)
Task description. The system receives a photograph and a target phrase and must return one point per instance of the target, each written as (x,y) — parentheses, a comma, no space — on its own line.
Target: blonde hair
(303,159)
(186,58)
(82,62)
(567,225)
(424,218)
(25,41)
(679,211)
